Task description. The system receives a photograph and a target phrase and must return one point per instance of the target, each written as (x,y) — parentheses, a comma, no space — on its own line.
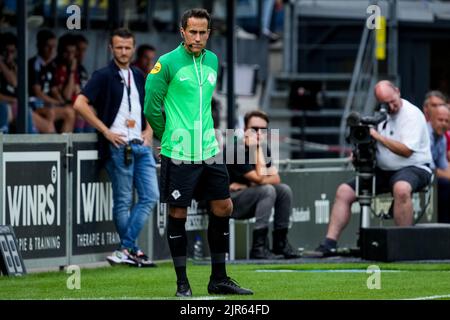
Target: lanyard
(128,89)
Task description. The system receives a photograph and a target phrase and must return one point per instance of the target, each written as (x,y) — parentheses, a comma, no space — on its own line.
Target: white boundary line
(430,297)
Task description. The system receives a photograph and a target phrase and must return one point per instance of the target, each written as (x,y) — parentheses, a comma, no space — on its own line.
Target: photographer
(403,161)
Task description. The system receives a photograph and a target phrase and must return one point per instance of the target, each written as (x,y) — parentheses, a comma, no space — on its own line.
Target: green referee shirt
(183,85)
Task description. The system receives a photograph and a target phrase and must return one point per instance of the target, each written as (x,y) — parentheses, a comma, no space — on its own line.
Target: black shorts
(418,179)
(182,182)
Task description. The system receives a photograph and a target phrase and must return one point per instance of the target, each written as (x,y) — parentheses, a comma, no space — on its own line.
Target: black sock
(330,243)
(218,237)
(176,236)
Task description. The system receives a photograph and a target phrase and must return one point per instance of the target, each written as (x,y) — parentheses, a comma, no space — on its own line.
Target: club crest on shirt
(212,78)
(156,68)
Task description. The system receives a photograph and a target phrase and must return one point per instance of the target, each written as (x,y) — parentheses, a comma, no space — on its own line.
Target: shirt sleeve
(156,87)
(32,73)
(412,129)
(93,87)
(442,162)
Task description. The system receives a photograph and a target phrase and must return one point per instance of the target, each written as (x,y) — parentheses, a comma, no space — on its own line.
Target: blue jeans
(141,175)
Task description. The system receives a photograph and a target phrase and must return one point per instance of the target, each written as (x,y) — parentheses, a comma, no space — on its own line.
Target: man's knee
(222,208)
(345,193)
(285,190)
(402,191)
(268,191)
(178,212)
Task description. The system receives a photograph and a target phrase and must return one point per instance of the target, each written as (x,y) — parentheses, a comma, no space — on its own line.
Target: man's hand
(236,186)
(374,133)
(147,137)
(115,138)
(395,146)
(251,138)
(73,66)
(159,152)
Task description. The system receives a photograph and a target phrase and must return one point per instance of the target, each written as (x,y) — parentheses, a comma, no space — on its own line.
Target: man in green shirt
(183,82)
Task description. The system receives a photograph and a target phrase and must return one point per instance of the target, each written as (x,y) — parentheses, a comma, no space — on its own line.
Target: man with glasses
(256,189)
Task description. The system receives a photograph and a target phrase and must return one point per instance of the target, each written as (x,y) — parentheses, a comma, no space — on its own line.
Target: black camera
(128,155)
(364,151)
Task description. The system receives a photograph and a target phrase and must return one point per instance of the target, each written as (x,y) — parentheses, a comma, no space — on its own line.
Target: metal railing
(364,77)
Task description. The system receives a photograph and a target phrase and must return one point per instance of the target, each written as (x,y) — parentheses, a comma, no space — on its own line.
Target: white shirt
(409,127)
(119,125)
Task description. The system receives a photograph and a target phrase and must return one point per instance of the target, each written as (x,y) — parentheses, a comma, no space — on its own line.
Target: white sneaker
(120,257)
(242,34)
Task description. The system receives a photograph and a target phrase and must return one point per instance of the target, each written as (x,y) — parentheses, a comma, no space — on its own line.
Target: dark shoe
(281,244)
(183,289)
(142,260)
(260,246)
(321,252)
(226,286)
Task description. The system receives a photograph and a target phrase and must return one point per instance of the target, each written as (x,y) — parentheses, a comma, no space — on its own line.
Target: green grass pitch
(269,282)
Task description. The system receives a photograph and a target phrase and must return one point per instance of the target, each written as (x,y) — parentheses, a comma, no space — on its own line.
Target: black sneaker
(183,289)
(320,252)
(226,286)
(142,260)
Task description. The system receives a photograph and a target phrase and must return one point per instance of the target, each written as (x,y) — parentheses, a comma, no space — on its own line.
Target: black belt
(136,141)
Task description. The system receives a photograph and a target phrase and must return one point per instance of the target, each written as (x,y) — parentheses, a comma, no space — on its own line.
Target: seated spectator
(8,84)
(447,137)
(82,43)
(437,126)
(145,56)
(41,70)
(66,84)
(256,190)
(433,99)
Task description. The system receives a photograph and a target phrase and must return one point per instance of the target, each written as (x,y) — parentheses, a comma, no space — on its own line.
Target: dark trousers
(258,202)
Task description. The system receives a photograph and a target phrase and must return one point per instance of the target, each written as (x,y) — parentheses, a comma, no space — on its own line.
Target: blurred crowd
(55,77)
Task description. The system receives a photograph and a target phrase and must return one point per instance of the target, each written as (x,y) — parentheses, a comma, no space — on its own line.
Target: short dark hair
(255,113)
(64,41)
(80,38)
(7,39)
(142,48)
(43,36)
(123,33)
(195,13)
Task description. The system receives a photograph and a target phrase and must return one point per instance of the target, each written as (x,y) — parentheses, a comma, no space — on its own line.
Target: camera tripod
(365,191)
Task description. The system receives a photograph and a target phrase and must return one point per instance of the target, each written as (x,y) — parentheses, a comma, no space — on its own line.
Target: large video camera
(364,151)
(364,156)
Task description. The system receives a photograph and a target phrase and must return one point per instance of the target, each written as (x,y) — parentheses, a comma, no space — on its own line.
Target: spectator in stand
(82,43)
(433,99)
(145,56)
(8,84)
(447,136)
(437,126)
(41,70)
(66,80)
(8,80)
